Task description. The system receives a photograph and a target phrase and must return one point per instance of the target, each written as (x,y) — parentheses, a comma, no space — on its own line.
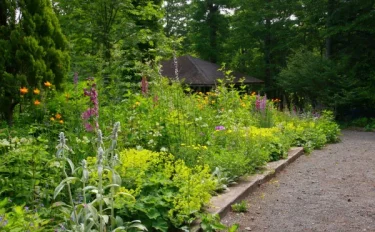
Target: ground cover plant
(76,169)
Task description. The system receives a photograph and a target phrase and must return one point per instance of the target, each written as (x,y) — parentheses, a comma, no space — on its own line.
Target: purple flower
(88,127)
(219,128)
(144,85)
(93,111)
(260,103)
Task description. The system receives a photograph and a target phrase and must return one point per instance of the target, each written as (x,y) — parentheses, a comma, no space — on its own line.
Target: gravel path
(331,190)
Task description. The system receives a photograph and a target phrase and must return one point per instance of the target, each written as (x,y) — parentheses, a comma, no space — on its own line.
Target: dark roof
(199,72)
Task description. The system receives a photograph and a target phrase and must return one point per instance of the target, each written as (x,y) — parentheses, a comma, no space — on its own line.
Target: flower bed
(174,150)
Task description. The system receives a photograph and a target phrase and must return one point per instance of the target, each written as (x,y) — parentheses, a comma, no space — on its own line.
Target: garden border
(221,204)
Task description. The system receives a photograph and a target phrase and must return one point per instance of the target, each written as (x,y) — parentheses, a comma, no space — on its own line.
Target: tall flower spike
(175,62)
(100,137)
(100,155)
(62,145)
(85,172)
(116,129)
(100,160)
(144,85)
(62,139)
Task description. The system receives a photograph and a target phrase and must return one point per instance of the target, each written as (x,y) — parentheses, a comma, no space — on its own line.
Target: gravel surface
(331,190)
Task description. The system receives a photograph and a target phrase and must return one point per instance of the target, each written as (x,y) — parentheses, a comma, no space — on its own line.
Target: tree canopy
(288,44)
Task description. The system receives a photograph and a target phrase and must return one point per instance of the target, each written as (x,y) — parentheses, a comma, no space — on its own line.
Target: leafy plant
(90,215)
(167,192)
(211,223)
(223,179)
(19,218)
(239,207)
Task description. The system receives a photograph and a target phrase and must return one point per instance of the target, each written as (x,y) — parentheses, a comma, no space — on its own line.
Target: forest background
(317,53)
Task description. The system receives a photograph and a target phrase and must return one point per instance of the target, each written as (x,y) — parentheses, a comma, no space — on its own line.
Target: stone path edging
(221,204)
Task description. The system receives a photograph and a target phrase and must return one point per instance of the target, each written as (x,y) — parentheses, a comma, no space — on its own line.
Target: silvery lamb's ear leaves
(107,200)
(62,184)
(105,218)
(119,221)
(120,228)
(70,164)
(60,203)
(116,178)
(110,186)
(93,211)
(58,189)
(85,175)
(137,225)
(89,188)
(90,225)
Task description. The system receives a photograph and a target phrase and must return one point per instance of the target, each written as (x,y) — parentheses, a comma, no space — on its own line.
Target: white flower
(5,143)
(139,148)
(15,140)
(157,133)
(163,149)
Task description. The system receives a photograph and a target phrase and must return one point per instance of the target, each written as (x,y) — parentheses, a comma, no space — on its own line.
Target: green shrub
(168,193)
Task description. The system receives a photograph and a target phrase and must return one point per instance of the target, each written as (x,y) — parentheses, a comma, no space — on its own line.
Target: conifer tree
(33,50)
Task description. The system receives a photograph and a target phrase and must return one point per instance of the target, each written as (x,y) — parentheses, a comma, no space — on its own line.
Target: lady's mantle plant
(96,212)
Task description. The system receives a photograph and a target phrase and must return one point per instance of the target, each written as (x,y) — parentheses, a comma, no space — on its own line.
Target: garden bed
(169,151)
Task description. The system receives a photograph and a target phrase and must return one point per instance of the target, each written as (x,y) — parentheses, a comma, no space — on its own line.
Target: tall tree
(263,33)
(176,17)
(209,28)
(33,49)
(93,28)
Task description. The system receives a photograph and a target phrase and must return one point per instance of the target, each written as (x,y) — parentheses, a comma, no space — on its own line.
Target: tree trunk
(330,9)
(8,113)
(213,10)
(267,58)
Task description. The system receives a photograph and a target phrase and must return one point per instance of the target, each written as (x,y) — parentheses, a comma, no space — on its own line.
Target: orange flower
(47,84)
(58,116)
(52,119)
(61,121)
(36,102)
(24,90)
(253,93)
(36,91)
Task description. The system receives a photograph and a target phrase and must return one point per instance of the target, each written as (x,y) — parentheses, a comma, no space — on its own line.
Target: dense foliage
(33,51)
(128,150)
(175,149)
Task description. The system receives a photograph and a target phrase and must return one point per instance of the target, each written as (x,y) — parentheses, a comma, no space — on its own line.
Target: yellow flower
(24,90)
(58,116)
(36,91)
(36,102)
(253,93)
(61,121)
(52,119)
(47,84)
